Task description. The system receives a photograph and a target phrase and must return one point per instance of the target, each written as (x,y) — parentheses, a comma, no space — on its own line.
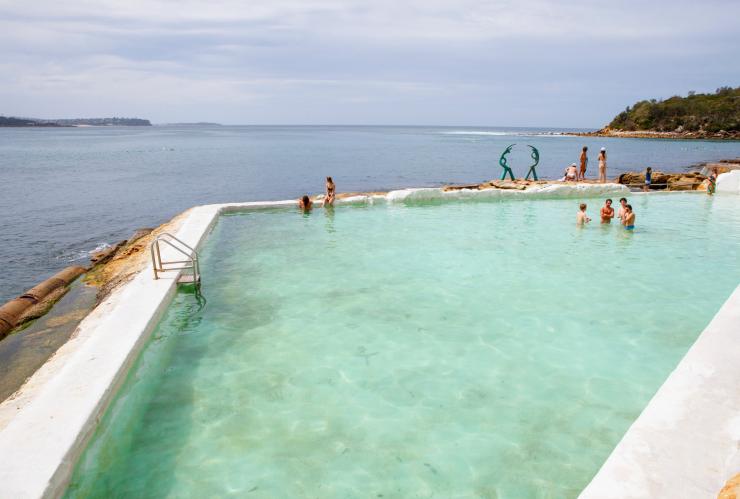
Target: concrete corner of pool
(684,443)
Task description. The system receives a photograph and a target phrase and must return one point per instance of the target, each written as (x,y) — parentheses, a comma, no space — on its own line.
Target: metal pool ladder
(190,265)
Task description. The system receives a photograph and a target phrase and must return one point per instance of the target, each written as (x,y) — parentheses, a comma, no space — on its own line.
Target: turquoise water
(477,349)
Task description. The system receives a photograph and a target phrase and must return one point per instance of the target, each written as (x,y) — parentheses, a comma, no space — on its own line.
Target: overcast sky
(428,62)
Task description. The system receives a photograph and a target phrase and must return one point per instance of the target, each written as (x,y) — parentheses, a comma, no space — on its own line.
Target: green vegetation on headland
(15,122)
(714,115)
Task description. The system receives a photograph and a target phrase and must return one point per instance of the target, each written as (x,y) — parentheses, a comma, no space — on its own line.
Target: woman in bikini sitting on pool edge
(628,220)
(330,192)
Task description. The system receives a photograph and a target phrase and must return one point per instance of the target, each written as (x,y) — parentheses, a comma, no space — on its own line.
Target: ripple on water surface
(467,350)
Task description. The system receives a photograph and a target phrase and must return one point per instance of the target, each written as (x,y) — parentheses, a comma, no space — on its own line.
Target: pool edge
(686,441)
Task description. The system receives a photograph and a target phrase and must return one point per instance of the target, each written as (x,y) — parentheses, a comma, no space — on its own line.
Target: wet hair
(628,206)
(306,200)
(585,148)
(328,179)
(583,206)
(622,199)
(609,200)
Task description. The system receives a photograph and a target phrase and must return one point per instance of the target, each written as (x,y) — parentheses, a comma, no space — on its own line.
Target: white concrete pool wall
(46,425)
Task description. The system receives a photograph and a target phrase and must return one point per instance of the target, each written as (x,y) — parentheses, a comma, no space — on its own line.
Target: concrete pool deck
(46,425)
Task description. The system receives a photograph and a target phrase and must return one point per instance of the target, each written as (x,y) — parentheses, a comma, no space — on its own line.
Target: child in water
(581,218)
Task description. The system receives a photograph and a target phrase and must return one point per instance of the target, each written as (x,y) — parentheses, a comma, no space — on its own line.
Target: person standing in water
(584,164)
(648,179)
(581,218)
(607,212)
(330,192)
(629,218)
(622,208)
(602,165)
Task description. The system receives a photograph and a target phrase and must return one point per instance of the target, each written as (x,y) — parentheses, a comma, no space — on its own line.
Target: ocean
(65,192)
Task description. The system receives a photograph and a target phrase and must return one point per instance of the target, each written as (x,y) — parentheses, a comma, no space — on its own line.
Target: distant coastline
(12,121)
(697,116)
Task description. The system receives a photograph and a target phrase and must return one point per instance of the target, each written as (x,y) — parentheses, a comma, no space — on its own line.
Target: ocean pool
(469,349)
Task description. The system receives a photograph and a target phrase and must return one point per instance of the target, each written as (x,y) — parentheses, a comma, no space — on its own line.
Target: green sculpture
(507,169)
(502,162)
(536,158)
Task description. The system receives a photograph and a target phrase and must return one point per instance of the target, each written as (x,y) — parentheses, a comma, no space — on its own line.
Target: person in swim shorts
(629,218)
(607,212)
(581,218)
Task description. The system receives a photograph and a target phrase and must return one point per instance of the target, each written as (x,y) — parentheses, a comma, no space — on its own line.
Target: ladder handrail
(192,257)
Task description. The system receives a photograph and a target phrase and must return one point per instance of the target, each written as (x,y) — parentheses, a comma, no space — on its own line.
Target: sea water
(466,349)
(67,191)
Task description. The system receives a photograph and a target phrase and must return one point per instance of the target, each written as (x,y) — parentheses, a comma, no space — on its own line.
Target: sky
(570,63)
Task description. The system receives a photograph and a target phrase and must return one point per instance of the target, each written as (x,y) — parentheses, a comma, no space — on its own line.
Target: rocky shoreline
(677,134)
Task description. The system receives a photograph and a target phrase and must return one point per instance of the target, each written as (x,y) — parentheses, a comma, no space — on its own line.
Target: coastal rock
(103,256)
(731,490)
(664,181)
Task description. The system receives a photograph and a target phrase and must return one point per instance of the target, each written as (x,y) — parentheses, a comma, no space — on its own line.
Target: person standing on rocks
(602,165)
(584,163)
(648,179)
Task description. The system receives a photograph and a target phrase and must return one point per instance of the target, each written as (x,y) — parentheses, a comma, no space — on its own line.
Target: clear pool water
(476,349)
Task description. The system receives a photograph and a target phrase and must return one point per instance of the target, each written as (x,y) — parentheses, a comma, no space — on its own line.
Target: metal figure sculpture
(504,165)
(536,158)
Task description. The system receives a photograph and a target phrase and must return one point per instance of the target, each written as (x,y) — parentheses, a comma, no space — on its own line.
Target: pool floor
(473,349)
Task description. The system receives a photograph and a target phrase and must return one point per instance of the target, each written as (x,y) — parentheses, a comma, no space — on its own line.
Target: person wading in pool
(607,212)
(622,204)
(305,204)
(584,164)
(581,218)
(629,218)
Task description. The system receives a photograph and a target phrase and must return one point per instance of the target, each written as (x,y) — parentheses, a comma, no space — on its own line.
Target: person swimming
(628,220)
(305,204)
(330,192)
(581,218)
(607,212)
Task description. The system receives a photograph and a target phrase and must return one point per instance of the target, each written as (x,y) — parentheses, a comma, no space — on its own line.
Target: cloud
(297,61)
